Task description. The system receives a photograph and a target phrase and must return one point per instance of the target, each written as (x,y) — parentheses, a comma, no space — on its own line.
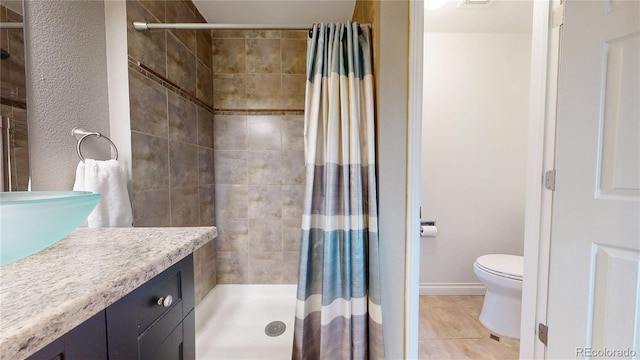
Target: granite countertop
(45,295)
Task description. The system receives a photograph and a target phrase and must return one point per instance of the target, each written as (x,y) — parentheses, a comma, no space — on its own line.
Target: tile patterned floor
(449,329)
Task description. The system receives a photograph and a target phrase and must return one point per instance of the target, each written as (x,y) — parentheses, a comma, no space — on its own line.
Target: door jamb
(542,116)
(545,48)
(414,173)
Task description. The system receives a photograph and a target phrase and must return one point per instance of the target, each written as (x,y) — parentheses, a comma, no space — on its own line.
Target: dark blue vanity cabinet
(155,321)
(86,341)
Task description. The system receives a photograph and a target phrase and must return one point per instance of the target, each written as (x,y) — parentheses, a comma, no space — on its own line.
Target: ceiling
(501,16)
(298,12)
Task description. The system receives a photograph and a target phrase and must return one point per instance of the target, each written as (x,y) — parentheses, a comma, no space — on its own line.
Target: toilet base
(501,314)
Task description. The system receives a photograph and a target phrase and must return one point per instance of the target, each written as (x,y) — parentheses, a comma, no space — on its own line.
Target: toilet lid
(511,266)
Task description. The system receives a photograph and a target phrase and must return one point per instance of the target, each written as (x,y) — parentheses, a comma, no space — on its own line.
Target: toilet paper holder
(428,229)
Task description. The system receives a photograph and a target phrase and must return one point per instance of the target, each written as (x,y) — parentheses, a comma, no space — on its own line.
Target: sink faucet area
(33,220)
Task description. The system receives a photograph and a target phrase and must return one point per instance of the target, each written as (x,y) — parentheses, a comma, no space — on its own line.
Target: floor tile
(428,329)
(484,349)
(432,301)
(438,349)
(458,324)
(450,329)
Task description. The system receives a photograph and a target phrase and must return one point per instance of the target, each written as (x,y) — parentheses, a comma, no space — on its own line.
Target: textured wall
(170,98)
(66,86)
(259,86)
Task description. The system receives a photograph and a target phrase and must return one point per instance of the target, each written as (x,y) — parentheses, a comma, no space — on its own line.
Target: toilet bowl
(502,276)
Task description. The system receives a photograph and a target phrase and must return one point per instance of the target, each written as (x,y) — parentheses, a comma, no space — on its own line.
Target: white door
(594,282)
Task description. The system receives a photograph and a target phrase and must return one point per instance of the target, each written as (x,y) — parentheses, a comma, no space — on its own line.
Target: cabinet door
(179,345)
(86,341)
(139,325)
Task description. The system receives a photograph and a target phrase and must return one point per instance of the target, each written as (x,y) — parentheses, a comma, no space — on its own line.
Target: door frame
(545,47)
(414,174)
(545,56)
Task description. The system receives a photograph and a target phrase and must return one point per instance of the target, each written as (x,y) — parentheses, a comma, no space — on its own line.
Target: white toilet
(502,276)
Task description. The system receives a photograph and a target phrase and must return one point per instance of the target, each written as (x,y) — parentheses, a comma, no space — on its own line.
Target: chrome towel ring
(82,134)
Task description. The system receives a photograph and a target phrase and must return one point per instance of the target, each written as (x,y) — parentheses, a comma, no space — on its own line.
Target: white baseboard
(452,289)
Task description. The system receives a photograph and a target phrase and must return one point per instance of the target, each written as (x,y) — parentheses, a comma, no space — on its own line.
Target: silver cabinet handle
(165,301)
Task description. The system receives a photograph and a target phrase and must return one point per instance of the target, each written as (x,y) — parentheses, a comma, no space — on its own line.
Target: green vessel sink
(32,220)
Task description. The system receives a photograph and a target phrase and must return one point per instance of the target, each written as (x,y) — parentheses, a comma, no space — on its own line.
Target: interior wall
(66,86)
(259,86)
(171,99)
(476,89)
(390,32)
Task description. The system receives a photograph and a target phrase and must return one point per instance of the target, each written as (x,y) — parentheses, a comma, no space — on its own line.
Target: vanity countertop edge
(45,295)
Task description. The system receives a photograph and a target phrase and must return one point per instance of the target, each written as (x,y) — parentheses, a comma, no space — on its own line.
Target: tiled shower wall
(171,98)
(259,86)
(13,105)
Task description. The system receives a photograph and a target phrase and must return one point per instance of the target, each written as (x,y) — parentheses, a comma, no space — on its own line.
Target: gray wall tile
(233,235)
(294,56)
(290,267)
(204,83)
(265,235)
(182,119)
(150,162)
(265,268)
(179,11)
(150,208)
(205,128)
(293,167)
(293,89)
(291,234)
(263,133)
(203,47)
(229,56)
(292,201)
(265,167)
(292,132)
(184,207)
(265,202)
(181,64)
(183,165)
(259,159)
(206,166)
(204,266)
(232,267)
(206,198)
(232,201)
(148,47)
(147,106)
(173,180)
(230,132)
(231,167)
(263,56)
(263,91)
(230,91)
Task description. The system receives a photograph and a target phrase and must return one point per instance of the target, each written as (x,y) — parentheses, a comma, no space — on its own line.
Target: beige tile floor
(449,329)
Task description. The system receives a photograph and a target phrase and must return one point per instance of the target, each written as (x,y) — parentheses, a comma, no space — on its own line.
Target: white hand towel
(108,179)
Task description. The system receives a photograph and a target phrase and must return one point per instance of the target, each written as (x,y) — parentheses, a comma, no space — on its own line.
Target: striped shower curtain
(338,314)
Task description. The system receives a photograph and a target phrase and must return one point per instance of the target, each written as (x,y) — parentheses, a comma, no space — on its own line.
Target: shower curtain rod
(144,26)
(11,25)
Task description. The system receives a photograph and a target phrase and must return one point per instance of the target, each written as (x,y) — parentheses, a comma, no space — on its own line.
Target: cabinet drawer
(158,297)
(132,319)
